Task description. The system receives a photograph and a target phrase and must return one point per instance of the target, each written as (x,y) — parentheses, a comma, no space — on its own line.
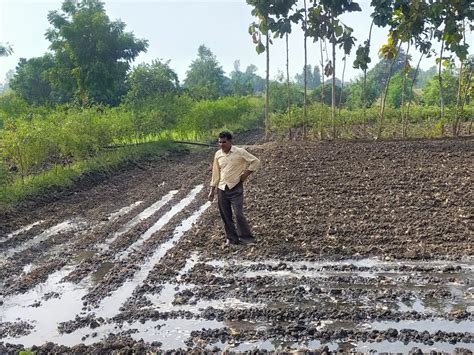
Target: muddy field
(362,247)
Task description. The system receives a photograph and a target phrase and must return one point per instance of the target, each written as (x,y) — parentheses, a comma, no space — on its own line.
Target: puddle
(427,324)
(146,213)
(164,301)
(398,347)
(384,347)
(171,333)
(161,222)
(82,255)
(351,266)
(19,231)
(123,211)
(110,305)
(45,313)
(268,345)
(100,273)
(70,225)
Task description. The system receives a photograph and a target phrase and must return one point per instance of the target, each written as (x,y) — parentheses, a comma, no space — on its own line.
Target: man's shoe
(232,242)
(248,240)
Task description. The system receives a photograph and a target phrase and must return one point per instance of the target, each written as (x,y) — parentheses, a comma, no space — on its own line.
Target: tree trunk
(333,90)
(402,105)
(384,94)
(457,120)
(288,84)
(407,113)
(364,93)
(342,84)
(322,89)
(305,70)
(440,79)
(464,99)
(267,84)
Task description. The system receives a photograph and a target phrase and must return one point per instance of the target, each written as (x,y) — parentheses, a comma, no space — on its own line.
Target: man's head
(225,141)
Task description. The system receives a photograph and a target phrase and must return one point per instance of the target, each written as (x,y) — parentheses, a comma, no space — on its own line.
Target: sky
(176,28)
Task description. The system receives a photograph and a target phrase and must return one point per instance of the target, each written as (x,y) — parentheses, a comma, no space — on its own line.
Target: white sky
(176,28)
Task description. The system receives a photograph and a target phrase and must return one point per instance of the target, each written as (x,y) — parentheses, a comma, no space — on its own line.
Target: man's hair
(226,135)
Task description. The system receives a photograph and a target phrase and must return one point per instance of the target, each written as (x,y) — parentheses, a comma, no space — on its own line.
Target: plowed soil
(361,246)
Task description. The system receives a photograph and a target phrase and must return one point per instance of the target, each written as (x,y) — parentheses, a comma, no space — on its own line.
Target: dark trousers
(233,199)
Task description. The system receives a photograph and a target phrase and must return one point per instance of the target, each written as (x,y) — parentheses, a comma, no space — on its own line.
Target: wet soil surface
(361,246)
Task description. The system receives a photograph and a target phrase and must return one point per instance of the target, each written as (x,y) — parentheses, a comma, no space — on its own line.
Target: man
(231,167)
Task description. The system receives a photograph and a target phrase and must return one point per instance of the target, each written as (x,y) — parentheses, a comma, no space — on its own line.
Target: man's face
(225,144)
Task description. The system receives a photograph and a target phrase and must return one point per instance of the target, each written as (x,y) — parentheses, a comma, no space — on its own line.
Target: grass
(60,177)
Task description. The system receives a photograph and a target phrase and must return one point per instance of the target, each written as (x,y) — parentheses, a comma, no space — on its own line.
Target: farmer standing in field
(231,167)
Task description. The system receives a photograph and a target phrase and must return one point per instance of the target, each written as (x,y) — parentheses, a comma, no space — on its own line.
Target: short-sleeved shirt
(227,168)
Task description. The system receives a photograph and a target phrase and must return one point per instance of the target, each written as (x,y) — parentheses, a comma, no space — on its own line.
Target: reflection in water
(74,224)
(19,231)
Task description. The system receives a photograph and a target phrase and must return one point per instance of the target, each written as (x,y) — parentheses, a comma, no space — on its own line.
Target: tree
(95,51)
(278,92)
(247,82)
(380,72)
(450,79)
(5,50)
(424,76)
(313,78)
(362,93)
(152,79)
(324,23)
(205,77)
(31,80)
(264,10)
(341,96)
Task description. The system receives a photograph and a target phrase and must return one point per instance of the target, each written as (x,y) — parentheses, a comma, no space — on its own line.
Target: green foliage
(424,76)
(66,175)
(394,94)
(95,51)
(316,95)
(206,118)
(245,83)
(152,79)
(205,77)
(31,81)
(423,121)
(431,94)
(272,18)
(324,23)
(278,99)
(356,95)
(11,106)
(5,50)
(313,77)
(379,73)
(156,114)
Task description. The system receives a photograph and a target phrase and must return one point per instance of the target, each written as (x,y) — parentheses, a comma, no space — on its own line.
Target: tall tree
(152,79)
(95,51)
(448,19)
(324,22)
(205,77)
(31,80)
(246,82)
(313,78)
(266,24)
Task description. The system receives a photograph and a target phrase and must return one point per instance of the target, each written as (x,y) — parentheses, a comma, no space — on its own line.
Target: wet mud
(361,247)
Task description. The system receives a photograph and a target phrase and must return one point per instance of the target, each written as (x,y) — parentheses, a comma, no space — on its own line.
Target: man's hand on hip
(245,175)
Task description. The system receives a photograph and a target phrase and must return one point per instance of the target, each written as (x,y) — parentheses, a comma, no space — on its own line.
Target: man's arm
(253,164)
(214,179)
